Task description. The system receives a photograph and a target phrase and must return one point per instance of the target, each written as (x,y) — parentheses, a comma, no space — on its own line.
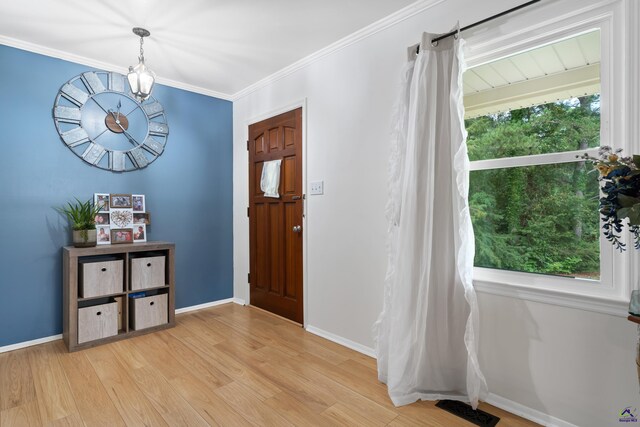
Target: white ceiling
(217,46)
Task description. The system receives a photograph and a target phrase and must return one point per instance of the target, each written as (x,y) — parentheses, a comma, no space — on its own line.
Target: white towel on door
(270,180)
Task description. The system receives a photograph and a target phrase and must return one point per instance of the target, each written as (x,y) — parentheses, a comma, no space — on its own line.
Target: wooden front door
(275,224)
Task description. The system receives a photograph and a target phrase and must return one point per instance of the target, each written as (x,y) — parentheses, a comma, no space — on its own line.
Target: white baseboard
(24,344)
(492,399)
(526,412)
(239,301)
(205,305)
(342,341)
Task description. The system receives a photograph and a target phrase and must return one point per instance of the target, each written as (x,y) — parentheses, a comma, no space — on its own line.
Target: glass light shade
(141,80)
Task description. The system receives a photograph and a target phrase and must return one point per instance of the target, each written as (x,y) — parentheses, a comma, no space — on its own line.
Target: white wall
(575,365)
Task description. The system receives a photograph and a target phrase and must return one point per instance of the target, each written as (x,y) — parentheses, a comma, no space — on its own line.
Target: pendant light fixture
(141,79)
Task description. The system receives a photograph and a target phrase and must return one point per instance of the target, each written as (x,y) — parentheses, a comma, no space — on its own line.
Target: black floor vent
(464,411)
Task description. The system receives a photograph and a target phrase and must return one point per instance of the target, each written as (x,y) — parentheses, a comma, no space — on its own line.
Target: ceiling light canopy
(141,79)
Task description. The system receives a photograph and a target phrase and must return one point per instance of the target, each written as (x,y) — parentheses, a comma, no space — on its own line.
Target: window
(534,204)
(529,216)
(521,73)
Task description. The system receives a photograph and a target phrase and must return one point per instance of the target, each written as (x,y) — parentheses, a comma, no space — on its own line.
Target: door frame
(258,118)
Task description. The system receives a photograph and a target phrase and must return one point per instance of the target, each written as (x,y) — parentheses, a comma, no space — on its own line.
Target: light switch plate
(317,187)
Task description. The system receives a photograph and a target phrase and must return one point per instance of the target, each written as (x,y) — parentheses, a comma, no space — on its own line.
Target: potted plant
(82,217)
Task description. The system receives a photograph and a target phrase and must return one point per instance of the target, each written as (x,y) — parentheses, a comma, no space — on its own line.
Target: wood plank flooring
(224,366)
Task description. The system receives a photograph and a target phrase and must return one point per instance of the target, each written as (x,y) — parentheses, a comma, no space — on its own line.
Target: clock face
(98,118)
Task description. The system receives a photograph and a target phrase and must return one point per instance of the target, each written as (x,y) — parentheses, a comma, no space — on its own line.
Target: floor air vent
(464,411)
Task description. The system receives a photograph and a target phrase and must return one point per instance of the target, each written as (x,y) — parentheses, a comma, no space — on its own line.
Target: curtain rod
(498,15)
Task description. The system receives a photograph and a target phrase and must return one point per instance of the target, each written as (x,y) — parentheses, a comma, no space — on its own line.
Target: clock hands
(109,112)
(119,105)
(116,116)
(129,137)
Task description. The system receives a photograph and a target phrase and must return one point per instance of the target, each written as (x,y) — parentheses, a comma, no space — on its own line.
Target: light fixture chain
(141,49)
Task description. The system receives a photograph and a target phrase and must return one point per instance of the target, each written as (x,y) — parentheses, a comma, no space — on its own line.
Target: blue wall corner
(188,190)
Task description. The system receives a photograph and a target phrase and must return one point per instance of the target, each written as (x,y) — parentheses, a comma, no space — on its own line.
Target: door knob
(297,228)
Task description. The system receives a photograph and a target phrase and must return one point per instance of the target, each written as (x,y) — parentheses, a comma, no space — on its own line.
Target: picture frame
(102,218)
(103,235)
(138,202)
(121,235)
(140,233)
(102,200)
(142,218)
(120,201)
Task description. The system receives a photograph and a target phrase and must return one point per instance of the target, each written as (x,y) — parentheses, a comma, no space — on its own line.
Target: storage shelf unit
(94,278)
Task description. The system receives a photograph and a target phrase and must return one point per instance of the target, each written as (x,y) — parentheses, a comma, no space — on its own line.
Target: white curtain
(427,333)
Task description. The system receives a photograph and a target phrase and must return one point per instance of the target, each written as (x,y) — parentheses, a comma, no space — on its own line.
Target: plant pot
(84,238)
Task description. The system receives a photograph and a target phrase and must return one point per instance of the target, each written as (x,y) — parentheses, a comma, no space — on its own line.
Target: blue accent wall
(188,192)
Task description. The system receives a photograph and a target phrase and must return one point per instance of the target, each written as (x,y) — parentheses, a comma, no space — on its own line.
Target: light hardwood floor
(228,365)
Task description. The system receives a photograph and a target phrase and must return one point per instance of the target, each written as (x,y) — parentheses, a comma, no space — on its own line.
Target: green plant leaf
(636,160)
(81,215)
(627,201)
(631,213)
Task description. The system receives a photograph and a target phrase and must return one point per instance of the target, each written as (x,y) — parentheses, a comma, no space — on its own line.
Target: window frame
(611,293)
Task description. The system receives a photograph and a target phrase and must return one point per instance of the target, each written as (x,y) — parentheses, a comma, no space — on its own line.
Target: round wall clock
(99,119)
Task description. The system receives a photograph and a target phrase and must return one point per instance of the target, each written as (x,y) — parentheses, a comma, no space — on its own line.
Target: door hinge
(248,277)
(247,212)
(247,145)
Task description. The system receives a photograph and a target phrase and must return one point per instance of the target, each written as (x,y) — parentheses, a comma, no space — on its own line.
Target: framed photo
(142,218)
(104,237)
(121,235)
(120,201)
(102,200)
(121,218)
(138,202)
(102,218)
(140,233)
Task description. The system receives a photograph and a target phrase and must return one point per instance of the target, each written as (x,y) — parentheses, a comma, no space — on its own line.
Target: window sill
(605,305)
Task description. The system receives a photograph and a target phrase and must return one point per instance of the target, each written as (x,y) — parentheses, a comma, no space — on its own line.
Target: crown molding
(368,31)
(194,89)
(66,56)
